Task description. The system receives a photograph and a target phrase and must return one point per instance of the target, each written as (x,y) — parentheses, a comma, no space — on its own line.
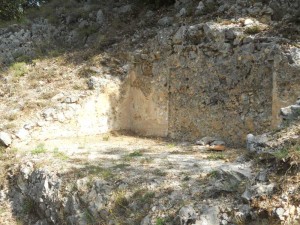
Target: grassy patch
(121,166)
(106,138)
(216,156)
(143,196)
(159,172)
(59,154)
(290,152)
(94,171)
(213,174)
(21,21)
(146,160)
(120,201)
(281,154)
(171,145)
(39,149)
(160,221)
(19,69)
(136,153)
(86,72)
(89,217)
(132,155)
(107,174)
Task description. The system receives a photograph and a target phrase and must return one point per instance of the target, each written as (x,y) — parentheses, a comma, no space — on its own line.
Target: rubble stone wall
(221,82)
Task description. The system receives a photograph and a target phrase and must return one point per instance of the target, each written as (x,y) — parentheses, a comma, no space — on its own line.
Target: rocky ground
(119,179)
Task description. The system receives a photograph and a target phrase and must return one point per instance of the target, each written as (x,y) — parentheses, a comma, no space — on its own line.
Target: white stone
(22,134)
(200,6)
(248,22)
(5,139)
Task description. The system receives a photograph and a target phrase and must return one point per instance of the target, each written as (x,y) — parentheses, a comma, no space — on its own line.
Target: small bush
(19,69)
(121,202)
(253,29)
(39,149)
(160,221)
(290,153)
(281,154)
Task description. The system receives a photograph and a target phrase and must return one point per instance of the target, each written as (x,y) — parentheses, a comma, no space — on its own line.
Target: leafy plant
(39,149)
(160,221)
(216,156)
(19,69)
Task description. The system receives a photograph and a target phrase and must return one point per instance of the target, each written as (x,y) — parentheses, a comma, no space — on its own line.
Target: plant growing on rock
(19,69)
(253,29)
(39,149)
(160,221)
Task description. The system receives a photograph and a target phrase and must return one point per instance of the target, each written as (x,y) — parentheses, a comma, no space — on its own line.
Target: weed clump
(253,29)
(290,153)
(39,149)
(19,69)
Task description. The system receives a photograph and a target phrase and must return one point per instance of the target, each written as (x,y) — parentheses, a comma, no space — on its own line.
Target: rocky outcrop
(48,195)
(216,78)
(273,142)
(220,80)
(5,139)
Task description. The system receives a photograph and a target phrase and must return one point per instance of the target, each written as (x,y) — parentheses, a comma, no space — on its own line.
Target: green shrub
(160,221)
(11,9)
(39,149)
(19,69)
(253,29)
